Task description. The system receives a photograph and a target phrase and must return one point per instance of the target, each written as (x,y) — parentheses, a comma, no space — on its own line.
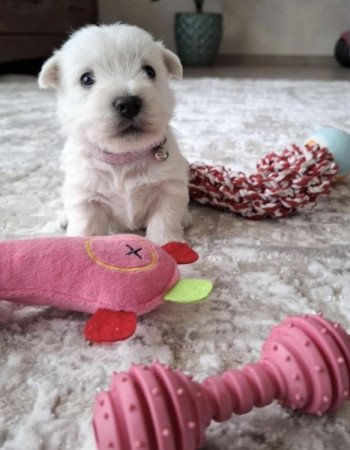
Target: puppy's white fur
(142,194)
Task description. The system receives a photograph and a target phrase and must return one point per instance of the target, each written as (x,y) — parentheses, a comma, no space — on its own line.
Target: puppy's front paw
(162,238)
(63,221)
(74,230)
(90,219)
(187,219)
(88,229)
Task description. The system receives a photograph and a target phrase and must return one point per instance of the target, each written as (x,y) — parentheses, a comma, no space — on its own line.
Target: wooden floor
(306,73)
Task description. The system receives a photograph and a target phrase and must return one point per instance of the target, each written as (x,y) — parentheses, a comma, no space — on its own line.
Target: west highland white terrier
(122,165)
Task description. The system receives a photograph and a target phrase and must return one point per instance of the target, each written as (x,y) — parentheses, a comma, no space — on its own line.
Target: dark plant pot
(342,50)
(198,37)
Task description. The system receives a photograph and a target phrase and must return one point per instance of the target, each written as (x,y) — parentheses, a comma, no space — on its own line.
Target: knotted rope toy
(305,364)
(282,184)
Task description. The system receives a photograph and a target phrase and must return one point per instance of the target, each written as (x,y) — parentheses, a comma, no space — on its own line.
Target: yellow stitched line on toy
(119,268)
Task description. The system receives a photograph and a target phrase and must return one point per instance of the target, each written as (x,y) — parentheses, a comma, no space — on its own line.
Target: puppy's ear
(172,63)
(49,75)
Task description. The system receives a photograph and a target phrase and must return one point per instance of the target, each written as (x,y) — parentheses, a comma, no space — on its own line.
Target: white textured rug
(262,271)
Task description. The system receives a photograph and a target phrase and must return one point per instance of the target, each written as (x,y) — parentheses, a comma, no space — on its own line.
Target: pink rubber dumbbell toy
(305,365)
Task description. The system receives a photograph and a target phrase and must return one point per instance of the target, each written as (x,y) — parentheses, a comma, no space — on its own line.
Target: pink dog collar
(119,159)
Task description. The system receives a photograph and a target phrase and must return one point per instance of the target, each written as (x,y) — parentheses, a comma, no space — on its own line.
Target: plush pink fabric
(120,273)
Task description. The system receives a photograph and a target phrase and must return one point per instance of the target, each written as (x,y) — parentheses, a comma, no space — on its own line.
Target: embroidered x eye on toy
(115,278)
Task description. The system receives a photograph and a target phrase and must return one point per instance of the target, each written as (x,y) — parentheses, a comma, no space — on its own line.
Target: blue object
(337,141)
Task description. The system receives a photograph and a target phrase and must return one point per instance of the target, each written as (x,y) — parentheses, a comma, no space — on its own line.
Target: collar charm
(160,153)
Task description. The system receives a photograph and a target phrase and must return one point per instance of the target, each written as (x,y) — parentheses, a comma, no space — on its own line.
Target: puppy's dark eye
(149,71)
(87,79)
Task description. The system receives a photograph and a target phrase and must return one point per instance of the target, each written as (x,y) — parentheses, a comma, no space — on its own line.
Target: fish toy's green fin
(189,291)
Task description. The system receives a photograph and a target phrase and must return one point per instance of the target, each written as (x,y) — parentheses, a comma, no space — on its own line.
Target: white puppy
(121,161)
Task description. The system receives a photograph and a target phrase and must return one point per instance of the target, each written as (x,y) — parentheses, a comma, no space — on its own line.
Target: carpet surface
(262,271)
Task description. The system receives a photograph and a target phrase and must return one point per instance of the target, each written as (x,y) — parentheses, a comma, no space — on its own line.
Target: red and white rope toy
(281,185)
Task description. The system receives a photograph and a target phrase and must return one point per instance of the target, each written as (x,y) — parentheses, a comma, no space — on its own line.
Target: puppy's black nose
(129,106)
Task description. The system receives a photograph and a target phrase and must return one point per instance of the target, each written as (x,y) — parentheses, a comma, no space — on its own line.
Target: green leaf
(189,291)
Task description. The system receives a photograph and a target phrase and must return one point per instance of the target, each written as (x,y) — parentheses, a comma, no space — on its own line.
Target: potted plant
(198,36)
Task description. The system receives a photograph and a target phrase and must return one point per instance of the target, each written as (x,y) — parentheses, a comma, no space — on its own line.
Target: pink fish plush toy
(115,278)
